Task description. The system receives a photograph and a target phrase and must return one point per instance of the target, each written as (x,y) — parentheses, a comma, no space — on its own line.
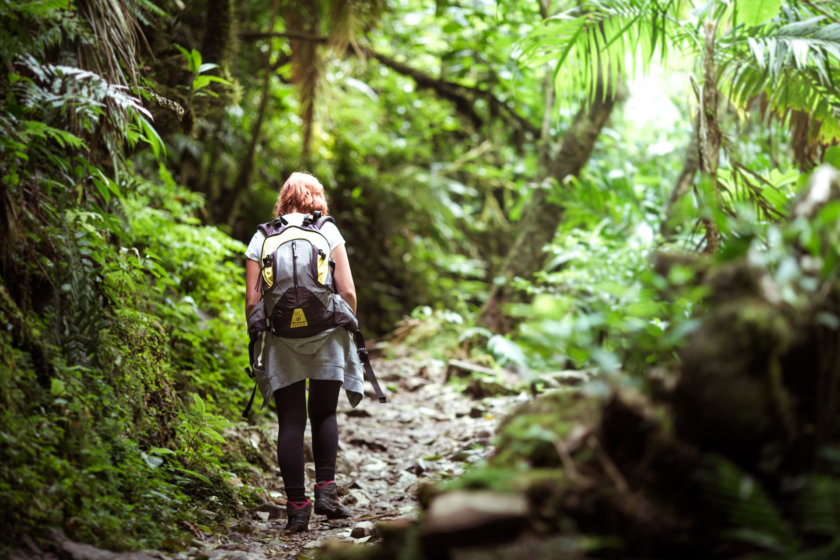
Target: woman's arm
(343,276)
(252,285)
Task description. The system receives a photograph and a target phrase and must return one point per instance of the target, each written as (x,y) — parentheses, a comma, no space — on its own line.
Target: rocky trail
(428,431)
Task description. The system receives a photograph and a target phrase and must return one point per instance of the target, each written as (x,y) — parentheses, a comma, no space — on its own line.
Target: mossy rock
(531,432)
(730,397)
(484,388)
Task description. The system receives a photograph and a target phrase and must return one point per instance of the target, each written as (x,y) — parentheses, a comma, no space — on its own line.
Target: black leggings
(291,419)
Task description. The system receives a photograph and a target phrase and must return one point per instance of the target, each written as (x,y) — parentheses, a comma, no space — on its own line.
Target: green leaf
(150,136)
(57,387)
(203,81)
(193,58)
(184,52)
(161,451)
(214,435)
(195,474)
(153,461)
(103,189)
(832,156)
(506,351)
(112,186)
(756,12)
(195,61)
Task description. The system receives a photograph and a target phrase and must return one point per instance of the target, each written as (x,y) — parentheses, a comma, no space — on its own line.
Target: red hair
(301,193)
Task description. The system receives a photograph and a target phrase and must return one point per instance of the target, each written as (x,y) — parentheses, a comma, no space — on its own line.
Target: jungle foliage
(505,192)
(122,342)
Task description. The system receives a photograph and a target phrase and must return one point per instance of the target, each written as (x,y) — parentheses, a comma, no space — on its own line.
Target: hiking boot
(326,502)
(298,516)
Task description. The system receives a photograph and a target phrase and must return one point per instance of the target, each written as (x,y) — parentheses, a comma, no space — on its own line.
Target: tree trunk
(307,67)
(229,202)
(709,136)
(541,218)
(217,45)
(684,183)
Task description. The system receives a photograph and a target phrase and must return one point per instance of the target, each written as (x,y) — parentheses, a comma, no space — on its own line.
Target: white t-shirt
(330,231)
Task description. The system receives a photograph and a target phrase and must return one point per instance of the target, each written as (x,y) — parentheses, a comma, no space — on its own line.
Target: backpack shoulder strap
(272,227)
(316,220)
(319,221)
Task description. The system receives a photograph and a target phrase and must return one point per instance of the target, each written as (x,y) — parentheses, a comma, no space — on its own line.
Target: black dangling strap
(245,412)
(363,356)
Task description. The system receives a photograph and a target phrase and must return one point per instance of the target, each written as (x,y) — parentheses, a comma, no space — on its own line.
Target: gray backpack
(298,287)
(299,297)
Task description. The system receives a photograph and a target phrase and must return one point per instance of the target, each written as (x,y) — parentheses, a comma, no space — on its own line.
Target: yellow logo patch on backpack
(298,319)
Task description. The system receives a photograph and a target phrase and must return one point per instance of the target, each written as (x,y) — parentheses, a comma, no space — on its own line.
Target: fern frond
(76,97)
(750,515)
(818,505)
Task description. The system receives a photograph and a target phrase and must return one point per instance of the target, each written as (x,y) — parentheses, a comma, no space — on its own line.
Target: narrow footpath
(427,432)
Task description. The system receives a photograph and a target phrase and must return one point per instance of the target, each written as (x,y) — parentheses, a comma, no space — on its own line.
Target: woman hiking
(328,360)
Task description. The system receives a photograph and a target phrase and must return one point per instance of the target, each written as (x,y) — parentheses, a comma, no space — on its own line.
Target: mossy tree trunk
(541,217)
(307,66)
(229,202)
(685,182)
(709,135)
(218,43)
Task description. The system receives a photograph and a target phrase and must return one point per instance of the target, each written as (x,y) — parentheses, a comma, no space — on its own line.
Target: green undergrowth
(121,376)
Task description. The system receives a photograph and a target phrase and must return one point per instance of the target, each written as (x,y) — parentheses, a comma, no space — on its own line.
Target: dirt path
(427,432)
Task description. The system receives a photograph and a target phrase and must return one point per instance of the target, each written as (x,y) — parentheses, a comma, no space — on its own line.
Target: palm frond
(791,65)
(801,45)
(603,39)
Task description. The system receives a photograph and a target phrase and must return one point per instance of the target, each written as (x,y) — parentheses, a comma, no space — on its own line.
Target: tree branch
(296,35)
(464,97)
(820,11)
(447,90)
